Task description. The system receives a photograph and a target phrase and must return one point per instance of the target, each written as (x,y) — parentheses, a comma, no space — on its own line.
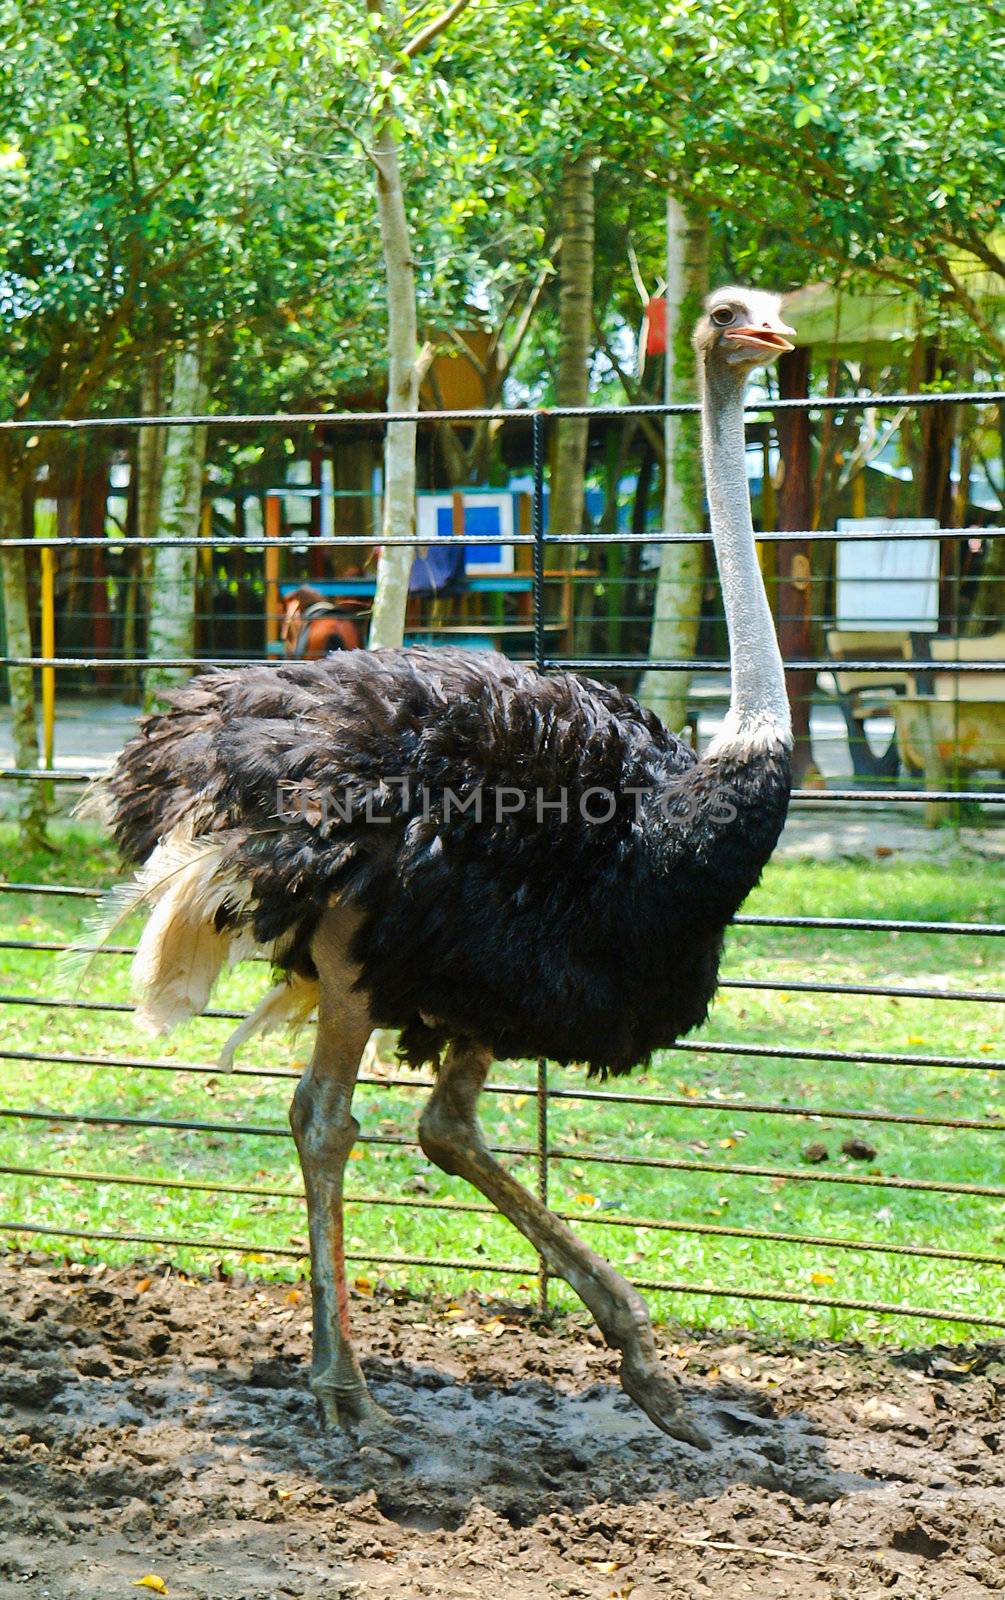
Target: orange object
(656,326)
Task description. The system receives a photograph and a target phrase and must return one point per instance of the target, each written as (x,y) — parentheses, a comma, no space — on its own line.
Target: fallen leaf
(292,1296)
(466,1330)
(727,1144)
(143,1285)
(585,1200)
(603,1566)
(151,1581)
(859,1149)
(362,1285)
(821,1277)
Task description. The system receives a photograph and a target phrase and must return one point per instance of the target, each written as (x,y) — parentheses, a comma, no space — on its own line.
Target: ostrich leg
(450,1135)
(325,1131)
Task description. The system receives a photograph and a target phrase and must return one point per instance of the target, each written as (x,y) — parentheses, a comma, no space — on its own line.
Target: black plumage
(534,934)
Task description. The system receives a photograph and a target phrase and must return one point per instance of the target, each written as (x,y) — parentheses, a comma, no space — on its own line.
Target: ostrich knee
(442,1135)
(324,1129)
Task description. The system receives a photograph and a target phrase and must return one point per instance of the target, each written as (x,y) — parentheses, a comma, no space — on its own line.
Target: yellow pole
(273,604)
(204,584)
(48,649)
(858,494)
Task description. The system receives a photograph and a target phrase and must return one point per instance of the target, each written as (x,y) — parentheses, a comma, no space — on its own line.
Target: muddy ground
(157,1426)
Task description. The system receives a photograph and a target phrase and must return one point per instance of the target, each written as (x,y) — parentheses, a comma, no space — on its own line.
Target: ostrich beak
(771,339)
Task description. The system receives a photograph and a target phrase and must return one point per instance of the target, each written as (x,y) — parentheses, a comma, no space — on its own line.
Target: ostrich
(496,863)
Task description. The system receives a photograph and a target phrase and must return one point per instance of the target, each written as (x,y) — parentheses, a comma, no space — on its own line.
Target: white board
(885,584)
(485,513)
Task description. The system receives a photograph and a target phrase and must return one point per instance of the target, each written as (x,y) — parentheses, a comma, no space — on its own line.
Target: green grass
(726,1135)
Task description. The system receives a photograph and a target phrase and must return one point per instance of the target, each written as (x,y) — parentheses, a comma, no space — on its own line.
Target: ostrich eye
(722,316)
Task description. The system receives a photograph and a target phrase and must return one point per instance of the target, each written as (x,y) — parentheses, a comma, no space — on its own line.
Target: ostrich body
(495,862)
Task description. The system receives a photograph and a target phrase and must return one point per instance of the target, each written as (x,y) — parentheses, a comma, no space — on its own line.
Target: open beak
(769,339)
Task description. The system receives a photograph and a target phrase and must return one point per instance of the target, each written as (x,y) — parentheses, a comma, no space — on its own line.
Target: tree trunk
(387,626)
(30,798)
(987,611)
(677,602)
(148,466)
(795,585)
(575,345)
(171,598)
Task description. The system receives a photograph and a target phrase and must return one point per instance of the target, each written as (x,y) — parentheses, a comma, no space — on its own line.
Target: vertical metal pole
(542,1171)
(48,641)
(957,779)
(537,528)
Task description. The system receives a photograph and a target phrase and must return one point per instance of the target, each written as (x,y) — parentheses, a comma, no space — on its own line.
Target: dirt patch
(157,1425)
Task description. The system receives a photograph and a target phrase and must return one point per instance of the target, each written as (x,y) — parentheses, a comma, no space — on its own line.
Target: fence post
(537,525)
(542,1171)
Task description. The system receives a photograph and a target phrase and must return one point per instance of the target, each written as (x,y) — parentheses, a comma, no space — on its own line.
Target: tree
(575,345)
(171,630)
(30,796)
(832,138)
(677,600)
(380,54)
(144,200)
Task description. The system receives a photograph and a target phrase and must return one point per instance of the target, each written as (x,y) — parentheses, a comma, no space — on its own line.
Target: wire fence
(936,683)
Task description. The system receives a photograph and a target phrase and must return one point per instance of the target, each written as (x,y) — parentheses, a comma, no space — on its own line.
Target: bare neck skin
(758,718)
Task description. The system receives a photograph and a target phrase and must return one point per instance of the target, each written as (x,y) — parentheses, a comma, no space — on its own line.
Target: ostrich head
(742,328)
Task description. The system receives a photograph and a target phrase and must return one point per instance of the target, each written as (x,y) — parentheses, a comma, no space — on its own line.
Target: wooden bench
(952,722)
(864,695)
(945,722)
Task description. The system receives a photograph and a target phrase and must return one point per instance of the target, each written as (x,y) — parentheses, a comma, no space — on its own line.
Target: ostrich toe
(647,1384)
(354,1413)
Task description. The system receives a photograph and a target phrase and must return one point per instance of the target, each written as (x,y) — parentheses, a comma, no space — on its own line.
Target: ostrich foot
(645,1382)
(353,1411)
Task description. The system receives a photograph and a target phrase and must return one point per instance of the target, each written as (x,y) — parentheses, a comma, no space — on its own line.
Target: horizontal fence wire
(860,924)
(542,1093)
(714,1047)
(446,1263)
(572,664)
(814,796)
(326,541)
(713,1230)
(524,1152)
(771,985)
(596,1096)
(762,404)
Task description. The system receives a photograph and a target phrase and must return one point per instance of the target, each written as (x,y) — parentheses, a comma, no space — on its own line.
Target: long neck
(758,716)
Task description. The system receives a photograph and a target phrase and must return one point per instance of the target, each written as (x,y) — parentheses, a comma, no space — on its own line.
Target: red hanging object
(655,316)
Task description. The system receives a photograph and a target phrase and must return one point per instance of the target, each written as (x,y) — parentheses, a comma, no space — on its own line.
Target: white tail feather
(174,855)
(289,1004)
(186,880)
(178,958)
(181,952)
